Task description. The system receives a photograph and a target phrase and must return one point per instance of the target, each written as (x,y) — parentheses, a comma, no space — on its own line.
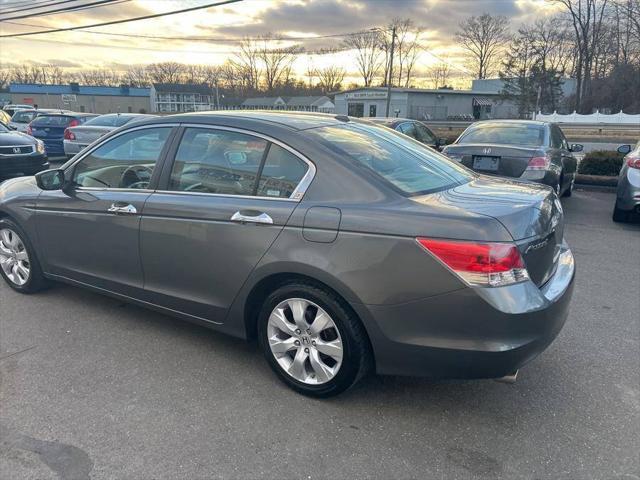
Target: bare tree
(136,76)
(406,50)
(586,18)
(368,55)
(276,61)
(484,37)
(98,77)
(330,78)
(26,73)
(245,63)
(166,72)
(439,74)
(5,77)
(53,74)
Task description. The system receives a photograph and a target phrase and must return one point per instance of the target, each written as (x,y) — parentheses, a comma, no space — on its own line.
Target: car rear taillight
(68,134)
(481,264)
(74,123)
(539,163)
(633,162)
(29,130)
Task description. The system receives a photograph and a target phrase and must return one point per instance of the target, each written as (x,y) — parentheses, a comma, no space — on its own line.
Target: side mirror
(50,179)
(576,147)
(624,149)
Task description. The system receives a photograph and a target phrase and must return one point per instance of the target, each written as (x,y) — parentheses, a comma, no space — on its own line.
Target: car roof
(292,120)
(511,121)
(391,119)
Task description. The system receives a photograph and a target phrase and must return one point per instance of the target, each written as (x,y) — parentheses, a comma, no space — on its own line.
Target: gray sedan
(628,194)
(340,246)
(79,137)
(524,149)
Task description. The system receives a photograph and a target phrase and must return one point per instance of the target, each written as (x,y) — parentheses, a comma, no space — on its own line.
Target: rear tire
(312,341)
(569,191)
(620,216)
(19,265)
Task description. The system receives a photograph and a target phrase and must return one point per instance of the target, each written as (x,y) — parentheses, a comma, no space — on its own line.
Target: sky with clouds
(224,24)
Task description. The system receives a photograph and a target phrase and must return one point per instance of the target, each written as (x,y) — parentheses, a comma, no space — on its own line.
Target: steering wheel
(136,176)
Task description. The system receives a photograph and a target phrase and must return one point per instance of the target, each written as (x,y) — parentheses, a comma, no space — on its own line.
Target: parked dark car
(524,149)
(20,154)
(413,128)
(339,245)
(79,137)
(628,192)
(22,118)
(50,129)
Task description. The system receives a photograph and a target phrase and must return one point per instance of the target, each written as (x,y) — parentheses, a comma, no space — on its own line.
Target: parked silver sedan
(628,195)
(77,138)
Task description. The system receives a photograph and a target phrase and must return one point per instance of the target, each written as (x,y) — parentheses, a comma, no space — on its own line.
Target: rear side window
(217,161)
(281,173)
(52,121)
(406,164)
(507,134)
(409,129)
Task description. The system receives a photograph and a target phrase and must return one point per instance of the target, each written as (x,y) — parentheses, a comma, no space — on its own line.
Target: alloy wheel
(14,259)
(305,341)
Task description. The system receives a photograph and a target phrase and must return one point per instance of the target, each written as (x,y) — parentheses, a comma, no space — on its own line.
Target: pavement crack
(8,355)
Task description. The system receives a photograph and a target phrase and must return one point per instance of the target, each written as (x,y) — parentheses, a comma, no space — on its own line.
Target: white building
(318,103)
(177,97)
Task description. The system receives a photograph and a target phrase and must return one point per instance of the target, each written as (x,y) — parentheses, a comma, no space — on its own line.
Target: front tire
(19,265)
(312,340)
(569,191)
(620,216)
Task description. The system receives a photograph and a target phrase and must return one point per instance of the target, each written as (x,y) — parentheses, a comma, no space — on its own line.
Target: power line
(33,5)
(126,20)
(83,6)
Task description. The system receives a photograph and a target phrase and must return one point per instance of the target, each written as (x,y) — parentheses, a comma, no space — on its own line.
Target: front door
(90,230)
(226,198)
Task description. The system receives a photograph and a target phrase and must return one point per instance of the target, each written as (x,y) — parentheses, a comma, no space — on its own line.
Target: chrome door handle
(122,209)
(259,218)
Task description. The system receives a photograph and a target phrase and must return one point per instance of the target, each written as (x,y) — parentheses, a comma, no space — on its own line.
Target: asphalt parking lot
(93,388)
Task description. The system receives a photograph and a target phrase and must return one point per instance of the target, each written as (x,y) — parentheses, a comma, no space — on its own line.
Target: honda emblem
(16,149)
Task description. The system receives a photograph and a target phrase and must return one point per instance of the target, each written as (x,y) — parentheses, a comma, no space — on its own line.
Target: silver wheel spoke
(296,369)
(279,346)
(298,308)
(14,259)
(279,320)
(332,349)
(5,235)
(322,371)
(22,256)
(320,323)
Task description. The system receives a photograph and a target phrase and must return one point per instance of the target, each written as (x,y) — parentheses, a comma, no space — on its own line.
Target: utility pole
(390,77)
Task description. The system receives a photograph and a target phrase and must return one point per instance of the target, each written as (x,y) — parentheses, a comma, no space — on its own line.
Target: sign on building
(365,95)
(68,97)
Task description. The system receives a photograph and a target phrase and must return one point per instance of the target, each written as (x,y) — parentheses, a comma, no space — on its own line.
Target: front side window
(409,129)
(125,161)
(425,135)
(23,117)
(406,164)
(217,161)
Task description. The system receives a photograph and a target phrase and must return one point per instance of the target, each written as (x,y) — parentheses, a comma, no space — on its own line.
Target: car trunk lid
(503,160)
(88,134)
(530,212)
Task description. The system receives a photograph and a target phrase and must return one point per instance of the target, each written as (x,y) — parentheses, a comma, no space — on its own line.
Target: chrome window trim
(297,193)
(227,195)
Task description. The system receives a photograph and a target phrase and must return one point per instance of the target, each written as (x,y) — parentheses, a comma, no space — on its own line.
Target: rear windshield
(109,120)
(406,164)
(52,121)
(23,117)
(515,134)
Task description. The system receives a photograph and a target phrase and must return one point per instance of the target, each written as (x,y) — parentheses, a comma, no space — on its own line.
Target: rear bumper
(54,148)
(471,333)
(546,177)
(23,165)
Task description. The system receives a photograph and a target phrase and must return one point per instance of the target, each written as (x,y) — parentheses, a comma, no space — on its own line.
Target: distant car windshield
(52,121)
(507,134)
(108,120)
(3,129)
(408,165)
(23,116)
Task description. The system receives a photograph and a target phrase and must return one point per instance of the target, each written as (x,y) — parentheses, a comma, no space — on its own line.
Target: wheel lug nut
(313,343)
(308,331)
(298,331)
(306,350)
(297,342)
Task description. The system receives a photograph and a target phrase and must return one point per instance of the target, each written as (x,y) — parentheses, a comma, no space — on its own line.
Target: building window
(355,110)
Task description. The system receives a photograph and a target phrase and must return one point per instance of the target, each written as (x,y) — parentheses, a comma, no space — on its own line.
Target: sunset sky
(225,24)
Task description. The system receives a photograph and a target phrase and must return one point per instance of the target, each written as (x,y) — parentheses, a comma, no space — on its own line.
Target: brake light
(68,134)
(29,130)
(74,123)
(480,264)
(539,163)
(633,162)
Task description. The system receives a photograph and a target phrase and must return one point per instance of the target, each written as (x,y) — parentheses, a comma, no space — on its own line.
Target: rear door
(223,201)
